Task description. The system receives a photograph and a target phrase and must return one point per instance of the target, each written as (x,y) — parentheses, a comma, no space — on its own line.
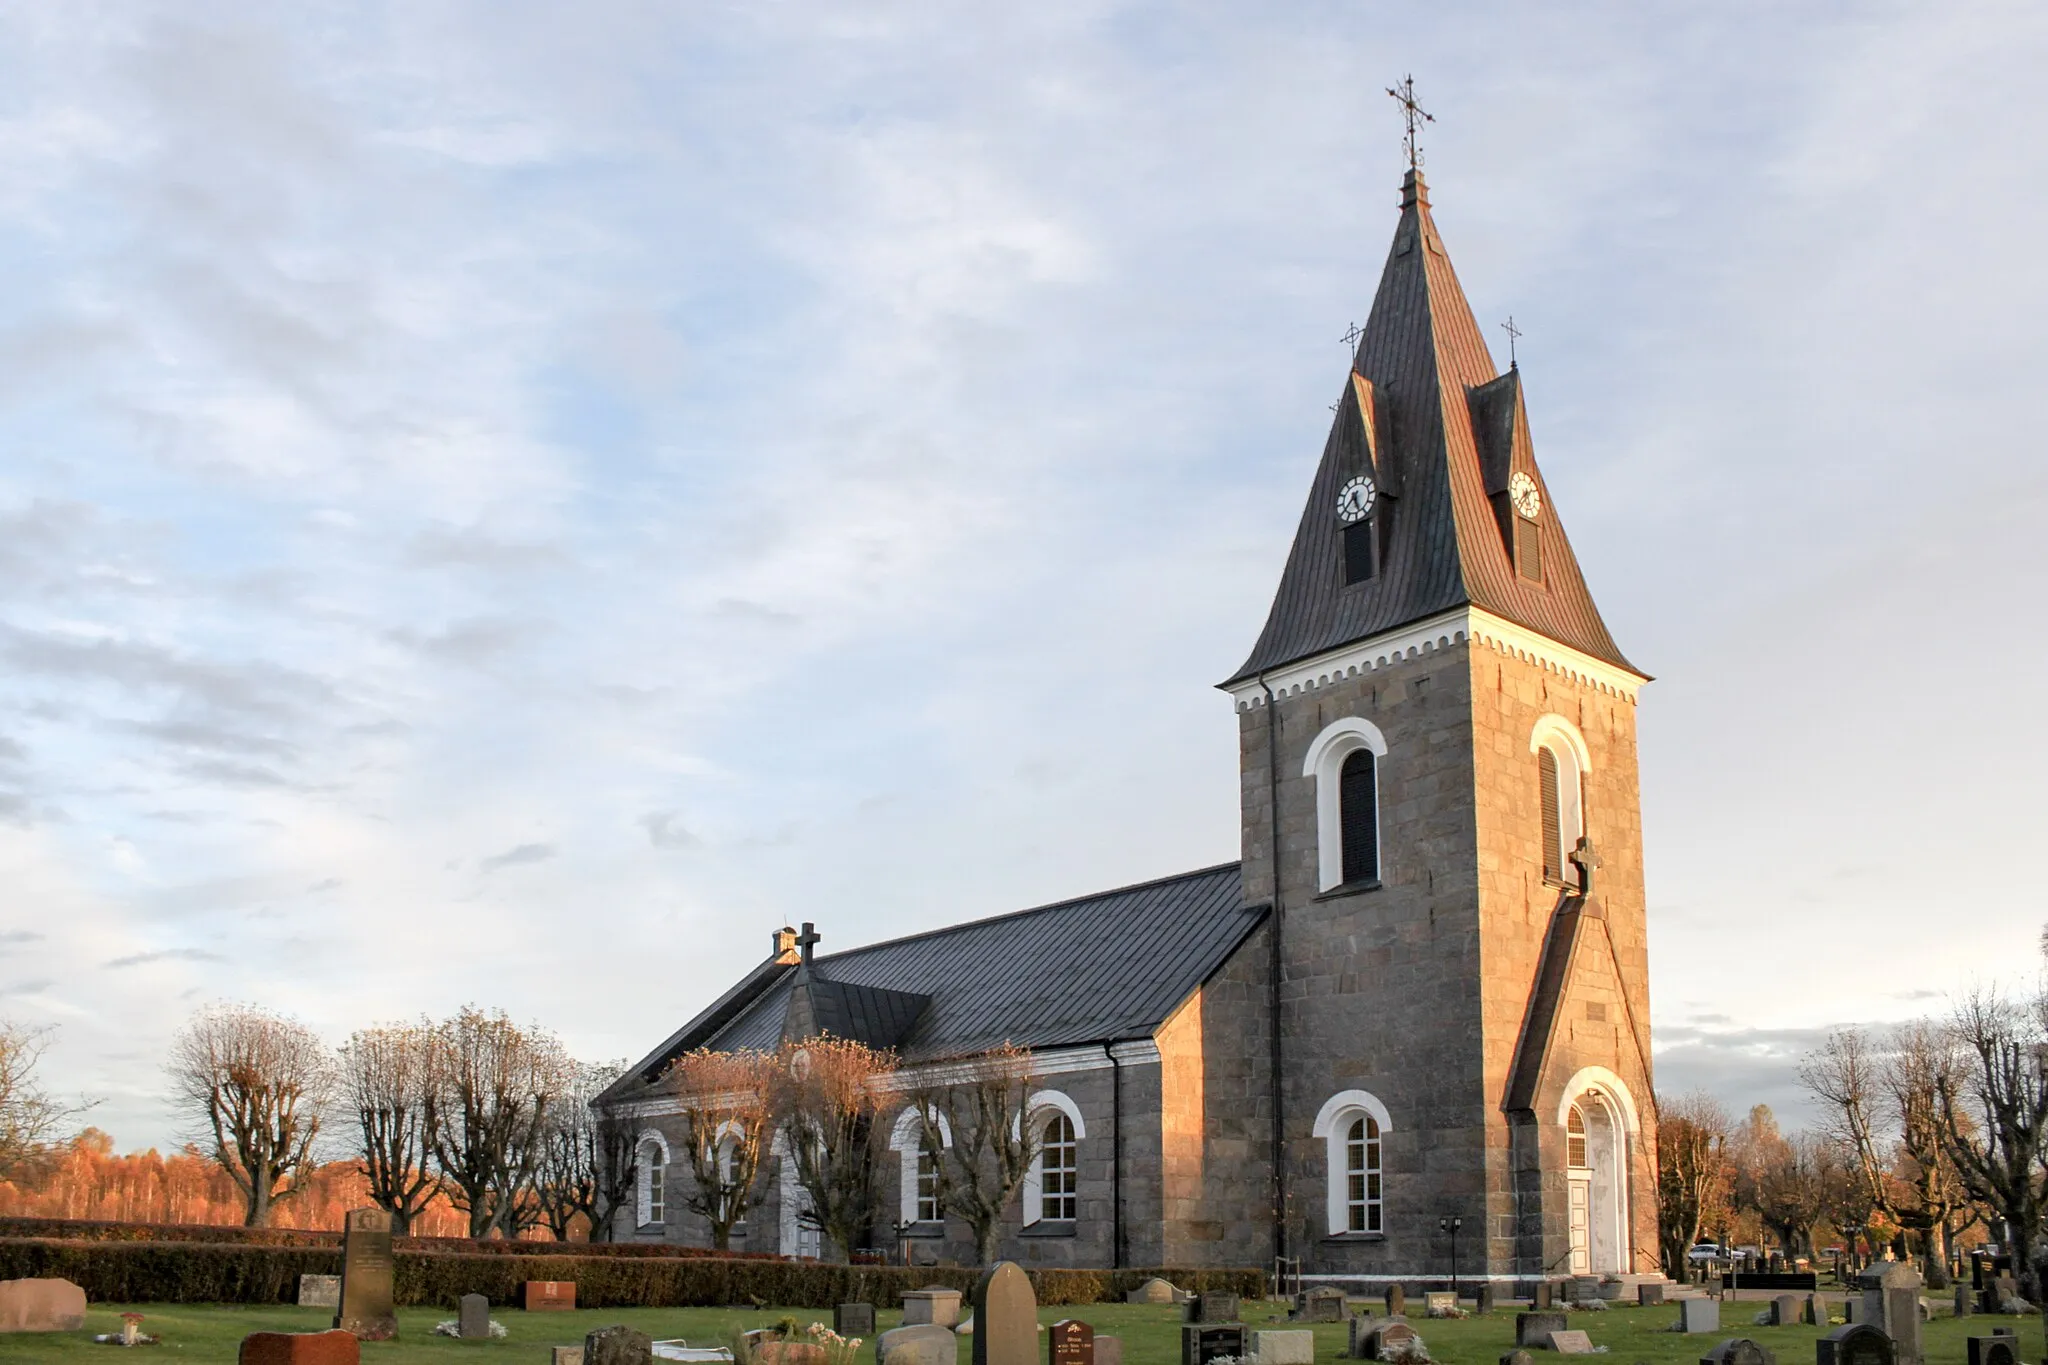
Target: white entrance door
(1581,1218)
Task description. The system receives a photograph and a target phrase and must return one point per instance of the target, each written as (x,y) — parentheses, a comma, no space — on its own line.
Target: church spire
(1428,497)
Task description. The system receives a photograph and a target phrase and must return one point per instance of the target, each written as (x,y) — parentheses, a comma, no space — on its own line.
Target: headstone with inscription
(1295,1347)
(1738,1351)
(1202,1342)
(366,1266)
(319,1291)
(1323,1304)
(1386,1337)
(1070,1343)
(1154,1290)
(473,1317)
(1571,1343)
(1532,1330)
(1699,1315)
(548,1296)
(854,1320)
(1005,1317)
(1212,1305)
(1891,1303)
(1857,1343)
(1439,1305)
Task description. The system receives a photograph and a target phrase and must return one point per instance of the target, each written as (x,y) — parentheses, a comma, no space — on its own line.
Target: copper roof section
(1441,432)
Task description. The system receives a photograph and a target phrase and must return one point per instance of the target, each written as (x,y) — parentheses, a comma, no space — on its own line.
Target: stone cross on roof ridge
(808,940)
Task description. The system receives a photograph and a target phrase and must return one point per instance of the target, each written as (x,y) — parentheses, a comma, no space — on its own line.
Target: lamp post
(1451,1223)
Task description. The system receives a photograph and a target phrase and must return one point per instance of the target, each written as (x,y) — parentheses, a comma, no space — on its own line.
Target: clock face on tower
(1522,492)
(1355,499)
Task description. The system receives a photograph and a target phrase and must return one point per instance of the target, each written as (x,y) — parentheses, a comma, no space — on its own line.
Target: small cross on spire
(808,940)
(1351,336)
(1414,115)
(1514,335)
(1587,859)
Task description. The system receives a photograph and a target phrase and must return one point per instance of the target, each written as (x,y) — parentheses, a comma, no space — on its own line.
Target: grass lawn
(1151,1333)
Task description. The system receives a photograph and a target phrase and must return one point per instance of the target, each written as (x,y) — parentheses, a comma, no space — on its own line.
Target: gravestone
(566,1355)
(1109,1350)
(1363,1325)
(1738,1351)
(1154,1290)
(1891,1303)
(1397,1300)
(1816,1310)
(473,1317)
(1785,1310)
(1965,1301)
(1571,1343)
(319,1291)
(1440,1305)
(1005,1317)
(1851,1306)
(1699,1315)
(854,1320)
(1202,1342)
(1585,1288)
(1518,1356)
(334,1347)
(1482,1302)
(1386,1337)
(1284,1347)
(1323,1305)
(1534,1329)
(1213,1305)
(933,1305)
(1997,1349)
(618,1346)
(1998,1291)
(1857,1343)
(1540,1297)
(1649,1295)
(47,1305)
(548,1296)
(1070,1343)
(922,1343)
(365,1307)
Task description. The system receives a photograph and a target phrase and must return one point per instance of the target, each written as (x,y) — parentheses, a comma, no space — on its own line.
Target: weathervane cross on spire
(1414,115)
(1514,335)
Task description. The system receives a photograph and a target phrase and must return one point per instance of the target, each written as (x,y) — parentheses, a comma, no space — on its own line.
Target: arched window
(1575,1140)
(1058,1167)
(918,1182)
(1344,760)
(1353,1125)
(927,1210)
(1561,766)
(651,1157)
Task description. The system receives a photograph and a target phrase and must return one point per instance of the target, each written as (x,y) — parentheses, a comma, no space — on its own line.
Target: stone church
(1420,997)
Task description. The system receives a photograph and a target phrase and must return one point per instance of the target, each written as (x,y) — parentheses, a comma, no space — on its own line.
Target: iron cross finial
(1514,335)
(1414,115)
(808,940)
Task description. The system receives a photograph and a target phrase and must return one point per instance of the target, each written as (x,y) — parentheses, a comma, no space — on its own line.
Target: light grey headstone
(473,1317)
(1534,1329)
(1699,1315)
(319,1291)
(1284,1347)
(1154,1290)
(1785,1310)
(1891,1303)
(1571,1343)
(1108,1350)
(933,1305)
(1005,1317)
(923,1343)
(1439,1305)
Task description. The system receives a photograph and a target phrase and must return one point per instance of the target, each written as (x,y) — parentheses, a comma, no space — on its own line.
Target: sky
(511,503)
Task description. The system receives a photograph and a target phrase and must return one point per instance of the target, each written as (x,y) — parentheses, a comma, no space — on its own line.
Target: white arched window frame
(729,1134)
(917,1183)
(1325,763)
(1574,761)
(651,1156)
(1599,1104)
(1040,1110)
(1334,1124)
(796,1236)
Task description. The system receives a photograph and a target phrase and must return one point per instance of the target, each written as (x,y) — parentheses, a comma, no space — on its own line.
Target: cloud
(255,686)
(467,547)
(12,937)
(470,642)
(166,955)
(517,856)
(665,830)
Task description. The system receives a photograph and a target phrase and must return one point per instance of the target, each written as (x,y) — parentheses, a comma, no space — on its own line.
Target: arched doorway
(1598,1117)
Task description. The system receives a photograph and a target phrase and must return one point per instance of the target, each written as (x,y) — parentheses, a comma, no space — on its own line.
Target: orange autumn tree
(827,1099)
(726,1101)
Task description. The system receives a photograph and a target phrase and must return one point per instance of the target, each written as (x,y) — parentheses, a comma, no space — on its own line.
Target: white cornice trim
(1462,625)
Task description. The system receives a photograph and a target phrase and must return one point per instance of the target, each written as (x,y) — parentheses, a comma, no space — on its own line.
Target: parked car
(1704,1252)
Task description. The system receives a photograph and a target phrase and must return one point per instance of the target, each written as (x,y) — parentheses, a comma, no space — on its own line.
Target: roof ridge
(1031,910)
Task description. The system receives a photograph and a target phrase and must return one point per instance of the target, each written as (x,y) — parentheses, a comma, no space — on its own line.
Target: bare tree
(30,1117)
(259,1084)
(1844,1194)
(1691,1179)
(827,1100)
(1994,1116)
(615,1160)
(566,1180)
(987,1113)
(495,1087)
(727,1107)
(1883,1103)
(387,1081)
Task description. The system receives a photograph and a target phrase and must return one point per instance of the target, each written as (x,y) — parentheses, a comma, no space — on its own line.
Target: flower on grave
(1406,1351)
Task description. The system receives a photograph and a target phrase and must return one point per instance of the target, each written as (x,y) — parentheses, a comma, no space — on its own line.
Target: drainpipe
(1116,1134)
(1278,1059)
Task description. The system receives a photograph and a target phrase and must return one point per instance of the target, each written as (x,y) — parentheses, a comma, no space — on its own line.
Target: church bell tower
(1440,805)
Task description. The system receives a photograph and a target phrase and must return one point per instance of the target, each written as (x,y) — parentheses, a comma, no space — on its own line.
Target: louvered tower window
(1528,549)
(1361,552)
(1358,803)
(1553,826)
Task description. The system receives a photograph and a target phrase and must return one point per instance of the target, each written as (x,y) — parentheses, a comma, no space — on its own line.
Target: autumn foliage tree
(495,1085)
(257,1084)
(985,1109)
(387,1084)
(827,1096)
(726,1102)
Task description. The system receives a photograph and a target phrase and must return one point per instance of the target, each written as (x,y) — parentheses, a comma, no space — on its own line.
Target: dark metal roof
(1101,968)
(1416,431)
(867,1014)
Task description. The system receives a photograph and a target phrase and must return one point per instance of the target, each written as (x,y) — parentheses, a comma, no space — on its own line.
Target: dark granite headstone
(1649,1295)
(1005,1317)
(1540,1298)
(1202,1342)
(618,1346)
(854,1320)
(1070,1343)
(1739,1351)
(1857,1343)
(1397,1300)
(1212,1305)
(1996,1349)
(366,1268)
(1534,1329)
(473,1317)
(1483,1301)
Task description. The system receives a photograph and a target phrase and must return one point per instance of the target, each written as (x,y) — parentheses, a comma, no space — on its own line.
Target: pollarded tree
(387,1081)
(987,1113)
(1691,1175)
(726,1101)
(258,1083)
(826,1098)
(567,1180)
(30,1116)
(1994,1117)
(495,1087)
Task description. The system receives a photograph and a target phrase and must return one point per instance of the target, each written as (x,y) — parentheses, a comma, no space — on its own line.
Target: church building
(1412,1023)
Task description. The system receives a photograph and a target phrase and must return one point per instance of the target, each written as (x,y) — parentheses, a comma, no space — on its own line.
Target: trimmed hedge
(195,1272)
(90,1230)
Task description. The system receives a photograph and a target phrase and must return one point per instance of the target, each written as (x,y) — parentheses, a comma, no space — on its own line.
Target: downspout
(1116,1134)
(1278,1059)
